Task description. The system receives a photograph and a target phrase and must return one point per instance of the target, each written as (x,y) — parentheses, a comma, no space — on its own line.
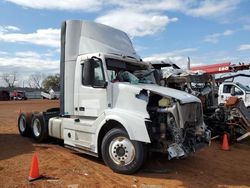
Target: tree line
(36,80)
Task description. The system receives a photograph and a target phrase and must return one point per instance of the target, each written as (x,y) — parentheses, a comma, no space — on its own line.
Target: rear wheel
(39,128)
(23,124)
(121,154)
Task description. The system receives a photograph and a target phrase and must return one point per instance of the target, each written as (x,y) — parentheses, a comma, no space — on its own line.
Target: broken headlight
(165,102)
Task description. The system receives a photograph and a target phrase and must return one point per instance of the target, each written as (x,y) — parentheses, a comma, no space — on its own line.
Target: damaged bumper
(176,128)
(190,145)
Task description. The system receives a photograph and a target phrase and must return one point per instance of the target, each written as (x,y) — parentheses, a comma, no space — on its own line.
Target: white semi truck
(106,111)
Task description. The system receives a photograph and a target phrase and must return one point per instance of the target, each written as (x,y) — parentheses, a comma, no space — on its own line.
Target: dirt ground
(61,167)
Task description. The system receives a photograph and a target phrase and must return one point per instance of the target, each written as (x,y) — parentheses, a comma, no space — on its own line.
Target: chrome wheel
(37,127)
(121,151)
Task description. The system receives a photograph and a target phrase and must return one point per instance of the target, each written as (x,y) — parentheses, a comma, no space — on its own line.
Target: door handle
(81,108)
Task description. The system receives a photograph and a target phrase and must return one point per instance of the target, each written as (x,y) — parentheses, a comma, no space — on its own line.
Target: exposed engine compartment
(174,128)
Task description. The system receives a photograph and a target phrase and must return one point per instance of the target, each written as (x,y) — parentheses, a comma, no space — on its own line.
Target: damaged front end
(174,127)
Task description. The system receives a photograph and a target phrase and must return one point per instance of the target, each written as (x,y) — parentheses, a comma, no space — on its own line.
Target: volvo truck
(108,111)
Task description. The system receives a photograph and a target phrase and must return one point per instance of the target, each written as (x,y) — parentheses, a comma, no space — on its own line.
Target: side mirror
(88,72)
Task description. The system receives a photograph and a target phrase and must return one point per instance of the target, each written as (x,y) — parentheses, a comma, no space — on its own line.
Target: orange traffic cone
(34,170)
(225,145)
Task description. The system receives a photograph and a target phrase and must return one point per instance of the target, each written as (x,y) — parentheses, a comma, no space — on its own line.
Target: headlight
(165,102)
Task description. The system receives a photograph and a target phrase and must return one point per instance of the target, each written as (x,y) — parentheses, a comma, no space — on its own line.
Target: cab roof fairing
(84,37)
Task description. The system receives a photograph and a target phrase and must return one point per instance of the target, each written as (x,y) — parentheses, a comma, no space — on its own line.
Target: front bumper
(191,144)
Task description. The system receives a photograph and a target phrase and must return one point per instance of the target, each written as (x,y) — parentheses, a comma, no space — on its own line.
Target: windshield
(124,71)
(246,88)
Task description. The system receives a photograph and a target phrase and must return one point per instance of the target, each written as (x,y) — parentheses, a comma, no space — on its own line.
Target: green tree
(51,82)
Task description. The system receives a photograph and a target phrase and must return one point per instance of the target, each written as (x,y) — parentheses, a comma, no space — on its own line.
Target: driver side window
(93,73)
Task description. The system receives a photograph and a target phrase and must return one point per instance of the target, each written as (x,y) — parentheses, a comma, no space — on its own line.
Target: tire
(121,154)
(24,125)
(39,128)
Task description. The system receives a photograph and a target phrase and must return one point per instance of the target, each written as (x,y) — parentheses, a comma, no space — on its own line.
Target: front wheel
(121,154)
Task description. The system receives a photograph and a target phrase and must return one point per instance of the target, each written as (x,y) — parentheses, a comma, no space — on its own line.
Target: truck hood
(182,96)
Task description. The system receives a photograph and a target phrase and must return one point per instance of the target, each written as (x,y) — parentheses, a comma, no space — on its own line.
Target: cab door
(91,99)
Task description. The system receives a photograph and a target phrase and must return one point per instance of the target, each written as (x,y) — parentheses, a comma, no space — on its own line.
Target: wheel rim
(36,127)
(122,151)
(22,124)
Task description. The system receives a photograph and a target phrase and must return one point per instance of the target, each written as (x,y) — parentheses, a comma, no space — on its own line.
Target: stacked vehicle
(225,104)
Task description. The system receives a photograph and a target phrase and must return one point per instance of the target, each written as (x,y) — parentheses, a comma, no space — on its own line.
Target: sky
(208,31)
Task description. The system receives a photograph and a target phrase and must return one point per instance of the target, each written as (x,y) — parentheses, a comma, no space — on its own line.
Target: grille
(192,113)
